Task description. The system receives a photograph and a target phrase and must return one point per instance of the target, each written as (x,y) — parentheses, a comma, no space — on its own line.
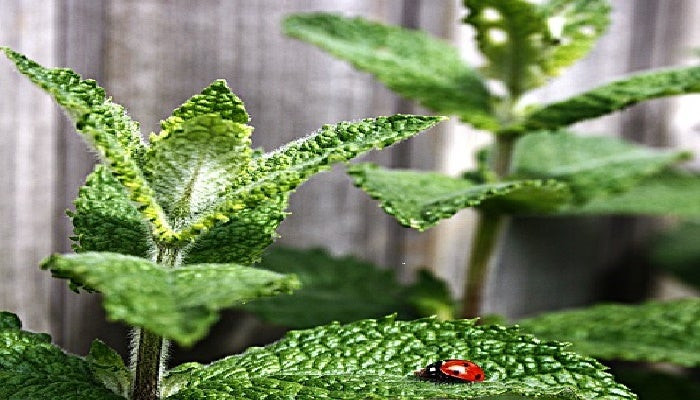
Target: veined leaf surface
(177,303)
(377,358)
(592,166)
(421,199)
(409,62)
(614,96)
(32,368)
(281,171)
(655,331)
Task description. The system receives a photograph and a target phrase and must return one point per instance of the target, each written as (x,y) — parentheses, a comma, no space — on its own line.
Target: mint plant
(169,231)
(535,166)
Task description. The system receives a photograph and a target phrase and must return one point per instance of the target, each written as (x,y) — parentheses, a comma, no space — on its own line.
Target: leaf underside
(32,368)
(614,96)
(654,331)
(592,166)
(421,199)
(409,62)
(526,43)
(342,289)
(177,303)
(376,359)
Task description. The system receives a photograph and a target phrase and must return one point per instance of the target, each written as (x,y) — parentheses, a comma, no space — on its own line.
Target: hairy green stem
(488,231)
(149,356)
(150,349)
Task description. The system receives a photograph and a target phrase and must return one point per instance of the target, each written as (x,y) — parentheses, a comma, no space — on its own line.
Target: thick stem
(150,349)
(488,231)
(148,366)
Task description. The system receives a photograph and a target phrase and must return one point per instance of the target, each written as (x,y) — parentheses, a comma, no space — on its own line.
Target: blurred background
(153,55)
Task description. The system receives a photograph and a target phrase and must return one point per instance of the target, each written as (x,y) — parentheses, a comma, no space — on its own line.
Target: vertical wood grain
(80,46)
(27,166)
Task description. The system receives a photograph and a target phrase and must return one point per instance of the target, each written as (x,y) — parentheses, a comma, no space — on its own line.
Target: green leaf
(192,166)
(654,331)
(525,43)
(421,199)
(105,126)
(177,303)
(377,358)
(107,366)
(343,289)
(668,193)
(592,166)
(409,62)
(199,153)
(677,252)
(613,97)
(243,238)
(31,368)
(283,170)
(106,220)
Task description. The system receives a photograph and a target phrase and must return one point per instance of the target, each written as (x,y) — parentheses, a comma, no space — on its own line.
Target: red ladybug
(452,371)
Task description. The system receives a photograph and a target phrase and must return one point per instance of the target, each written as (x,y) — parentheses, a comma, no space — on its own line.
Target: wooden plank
(81,49)
(27,162)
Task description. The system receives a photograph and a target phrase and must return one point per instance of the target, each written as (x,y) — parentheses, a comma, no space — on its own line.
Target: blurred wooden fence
(152,55)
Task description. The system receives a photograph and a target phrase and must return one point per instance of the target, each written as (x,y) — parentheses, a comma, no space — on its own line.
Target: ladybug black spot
(477,376)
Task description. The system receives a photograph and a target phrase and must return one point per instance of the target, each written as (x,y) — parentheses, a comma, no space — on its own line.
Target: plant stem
(150,350)
(148,366)
(488,231)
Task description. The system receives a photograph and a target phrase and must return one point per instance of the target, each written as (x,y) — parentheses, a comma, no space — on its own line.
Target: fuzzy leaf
(678,253)
(342,289)
(177,303)
(243,238)
(105,219)
(614,96)
(107,366)
(191,167)
(283,170)
(654,331)
(525,43)
(421,199)
(409,62)
(105,126)
(31,368)
(376,359)
(199,152)
(591,166)
(668,193)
